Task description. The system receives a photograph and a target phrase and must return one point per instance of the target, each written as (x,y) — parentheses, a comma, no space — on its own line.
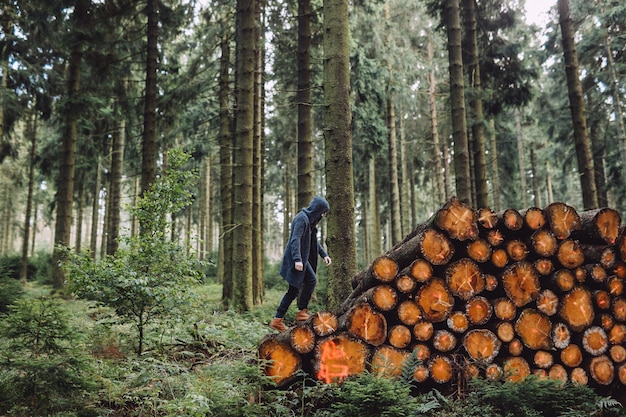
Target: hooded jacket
(303,245)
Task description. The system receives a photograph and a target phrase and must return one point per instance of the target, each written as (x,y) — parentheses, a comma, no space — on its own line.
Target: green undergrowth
(203,363)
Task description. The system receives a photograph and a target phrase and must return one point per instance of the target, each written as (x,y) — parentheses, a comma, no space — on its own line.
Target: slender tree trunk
(535,180)
(65,185)
(495,175)
(452,19)
(376,245)
(105,220)
(32,133)
(434,125)
(225,139)
(577,107)
(303,97)
(80,209)
(476,105)
(95,211)
(204,201)
(243,156)
(520,156)
(258,251)
(338,150)
(405,194)
(597,145)
(134,222)
(617,102)
(115,193)
(148,161)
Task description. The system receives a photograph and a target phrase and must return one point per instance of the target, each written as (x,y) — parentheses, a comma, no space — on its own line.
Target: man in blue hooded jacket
(299,262)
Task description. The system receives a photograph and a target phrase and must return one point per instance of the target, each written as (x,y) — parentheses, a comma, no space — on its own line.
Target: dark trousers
(303,294)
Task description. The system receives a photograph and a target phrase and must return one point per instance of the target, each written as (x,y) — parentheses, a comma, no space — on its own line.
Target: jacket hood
(317,207)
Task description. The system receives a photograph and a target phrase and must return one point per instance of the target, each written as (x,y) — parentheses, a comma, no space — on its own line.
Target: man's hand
(299,266)
(328,260)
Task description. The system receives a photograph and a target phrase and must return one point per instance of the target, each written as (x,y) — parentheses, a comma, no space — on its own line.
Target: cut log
(602,370)
(440,368)
(458,220)
(499,258)
(435,300)
(421,270)
(561,335)
(517,250)
(579,376)
(421,373)
(324,323)
(478,310)
(621,373)
(562,219)
(481,345)
(515,369)
(571,356)
(534,328)
(406,284)
(494,372)
(617,353)
(602,299)
(383,270)
(458,322)
(615,286)
(399,336)
(547,302)
(491,282)
(339,356)
(479,250)
(423,331)
(365,323)
(421,351)
(621,245)
(388,361)
(504,309)
(558,373)
(607,321)
(465,279)
(617,334)
(543,359)
(280,362)
(577,309)
(599,226)
(505,331)
(435,247)
(595,341)
(544,266)
(409,312)
(601,254)
(382,297)
(487,218)
(516,347)
(512,220)
(543,243)
(444,341)
(495,238)
(301,338)
(570,254)
(534,218)
(619,308)
(620,270)
(564,280)
(521,283)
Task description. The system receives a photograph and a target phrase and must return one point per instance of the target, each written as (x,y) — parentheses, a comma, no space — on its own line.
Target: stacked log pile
(477,293)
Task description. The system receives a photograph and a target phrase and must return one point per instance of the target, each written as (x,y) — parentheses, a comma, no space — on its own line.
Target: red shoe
(302,315)
(278,324)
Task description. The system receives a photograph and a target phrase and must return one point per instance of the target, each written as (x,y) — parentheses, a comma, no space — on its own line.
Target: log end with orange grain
(435,300)
(521,283)
(481,345)
(409,312)
(535,329)
(324,323)
(458,220)
(577,309)
(435,247)
(563,219)
(280,361)
(364,322)
(599,226)
(388,361)
(339,356)
(465,279)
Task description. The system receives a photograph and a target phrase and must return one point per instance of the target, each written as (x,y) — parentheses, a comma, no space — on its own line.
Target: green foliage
(10,267)
(150,277)
(10,291)
(44,369)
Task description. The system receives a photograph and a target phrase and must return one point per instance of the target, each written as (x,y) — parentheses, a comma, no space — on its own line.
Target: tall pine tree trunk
(95,212)
(115,193)
(32,133)
(65,185)
(338,150)
(452,21)
(376,244)
(225,139)
(243,156)
(577,107)
(303,98)
(148,162)
(434,125)
(520,156)
(476,105)
(495,174)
